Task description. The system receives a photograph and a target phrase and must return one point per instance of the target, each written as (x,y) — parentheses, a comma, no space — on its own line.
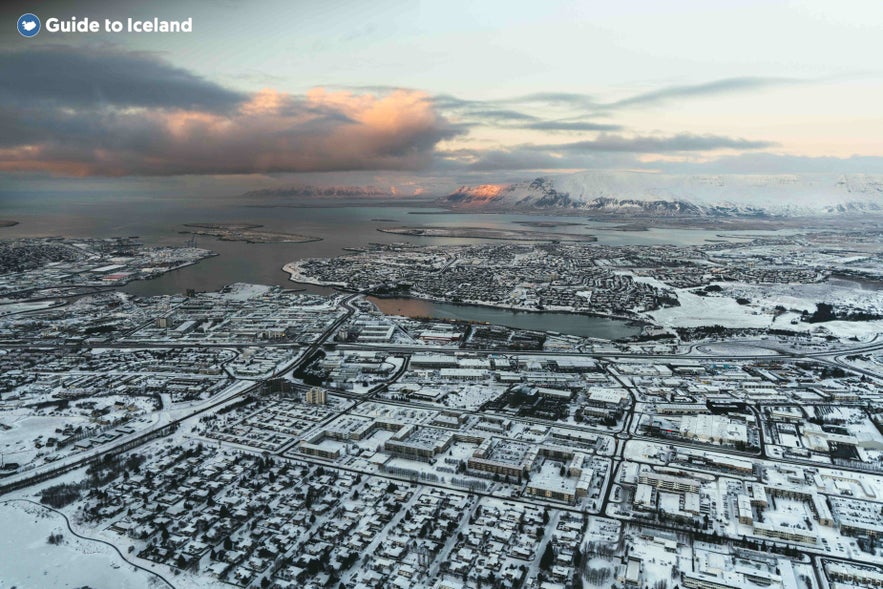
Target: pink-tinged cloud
(269,132)
(175,122)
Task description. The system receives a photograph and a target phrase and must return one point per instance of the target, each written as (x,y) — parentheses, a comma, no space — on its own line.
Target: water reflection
(568,323)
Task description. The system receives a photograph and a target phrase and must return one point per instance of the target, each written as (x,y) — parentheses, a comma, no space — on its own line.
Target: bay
(159,220)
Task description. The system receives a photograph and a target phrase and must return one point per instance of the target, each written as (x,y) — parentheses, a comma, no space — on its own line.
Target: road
(168,420)
(832,356)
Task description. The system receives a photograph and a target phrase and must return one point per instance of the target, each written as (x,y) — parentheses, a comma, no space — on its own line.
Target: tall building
(316,396)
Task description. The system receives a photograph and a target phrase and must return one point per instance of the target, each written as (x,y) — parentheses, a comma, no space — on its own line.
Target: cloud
(722,86)
(572,126)
(449,101)
(490,164)
(607,151)
(502,115)
(110,112)
(566,99)
(773,163)
(586,104)
(529,159)
(651,144)
(497,114)
(189,126)
(84,77)
(500,112)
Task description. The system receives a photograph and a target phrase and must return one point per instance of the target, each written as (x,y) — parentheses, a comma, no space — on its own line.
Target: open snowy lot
(29,561)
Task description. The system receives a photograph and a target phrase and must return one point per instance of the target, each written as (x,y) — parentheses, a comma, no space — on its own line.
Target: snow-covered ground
(805,296)
(17,444)
(759,313)
(696,311)
(27,560)
(241,291)
(736,349)
(12,308)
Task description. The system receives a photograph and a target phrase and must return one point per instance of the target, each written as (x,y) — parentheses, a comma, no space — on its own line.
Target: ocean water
(159,221)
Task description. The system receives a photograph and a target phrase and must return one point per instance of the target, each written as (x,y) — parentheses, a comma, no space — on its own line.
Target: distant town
(758,284)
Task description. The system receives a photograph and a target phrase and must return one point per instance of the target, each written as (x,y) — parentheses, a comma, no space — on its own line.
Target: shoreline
(296,276)
(735,223)
(510,308)
(479,233)
(254,238)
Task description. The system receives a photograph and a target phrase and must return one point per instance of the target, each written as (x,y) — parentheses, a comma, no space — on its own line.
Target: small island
(547,224)
(631,227)
(247,232)
(7,223)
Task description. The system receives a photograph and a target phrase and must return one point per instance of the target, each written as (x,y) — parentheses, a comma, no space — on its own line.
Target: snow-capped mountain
(689,195)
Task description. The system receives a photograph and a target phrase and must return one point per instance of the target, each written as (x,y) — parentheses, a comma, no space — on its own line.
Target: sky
(425,96)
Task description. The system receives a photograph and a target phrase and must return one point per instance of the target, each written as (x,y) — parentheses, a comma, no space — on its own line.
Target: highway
(168,419)
(167,424)
(830,355)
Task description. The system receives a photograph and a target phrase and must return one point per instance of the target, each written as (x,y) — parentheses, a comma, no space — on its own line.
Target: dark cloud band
(82,77)
(77,111)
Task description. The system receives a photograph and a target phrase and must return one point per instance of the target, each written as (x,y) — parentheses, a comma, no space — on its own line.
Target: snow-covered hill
(676,195)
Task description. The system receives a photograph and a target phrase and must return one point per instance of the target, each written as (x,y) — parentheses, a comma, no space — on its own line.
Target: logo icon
(28,25)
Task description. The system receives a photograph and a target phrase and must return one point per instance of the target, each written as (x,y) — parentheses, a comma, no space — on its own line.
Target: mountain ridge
(682,195)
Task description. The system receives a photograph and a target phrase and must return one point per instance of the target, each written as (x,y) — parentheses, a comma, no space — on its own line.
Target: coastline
(252,237)
(486,233)
(296,276)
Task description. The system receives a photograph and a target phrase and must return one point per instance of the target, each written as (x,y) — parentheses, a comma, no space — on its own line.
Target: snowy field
(18,442)
(28,561)
(13,308)
(736,349)
(696,311)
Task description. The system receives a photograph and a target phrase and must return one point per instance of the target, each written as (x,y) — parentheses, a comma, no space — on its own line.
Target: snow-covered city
(258,436)
(461,294)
